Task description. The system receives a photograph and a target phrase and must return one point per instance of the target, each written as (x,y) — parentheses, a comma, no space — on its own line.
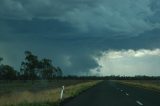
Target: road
(109,93)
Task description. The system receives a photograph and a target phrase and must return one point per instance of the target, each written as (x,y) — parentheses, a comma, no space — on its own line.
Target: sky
(84,37)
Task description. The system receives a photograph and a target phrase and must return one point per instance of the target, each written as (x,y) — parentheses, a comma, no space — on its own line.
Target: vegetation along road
(111,93)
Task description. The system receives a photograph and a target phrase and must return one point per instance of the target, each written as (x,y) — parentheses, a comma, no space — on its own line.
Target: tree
(29,66)
(7,73)
(32,68)
(48,70)
(1,59)
(59,72)
(0,63)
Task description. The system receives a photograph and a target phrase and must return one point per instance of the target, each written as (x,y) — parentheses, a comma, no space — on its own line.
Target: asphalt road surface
(109,93)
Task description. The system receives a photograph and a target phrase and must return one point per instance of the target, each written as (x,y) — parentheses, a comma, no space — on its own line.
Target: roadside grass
(8,87)
(38,104)
(146,84)
(45,97)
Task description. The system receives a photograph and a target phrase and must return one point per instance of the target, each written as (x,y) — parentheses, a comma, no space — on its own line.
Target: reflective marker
(61,95)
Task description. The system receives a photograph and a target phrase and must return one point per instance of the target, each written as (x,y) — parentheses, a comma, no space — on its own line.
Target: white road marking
(127,94)
(138,102)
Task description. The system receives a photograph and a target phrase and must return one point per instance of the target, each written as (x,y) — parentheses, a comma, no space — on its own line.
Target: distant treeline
(31,69)
(111,77)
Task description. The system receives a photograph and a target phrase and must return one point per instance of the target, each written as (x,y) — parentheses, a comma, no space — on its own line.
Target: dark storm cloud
(37,26)
(72,54)
(125,17)
(71,32)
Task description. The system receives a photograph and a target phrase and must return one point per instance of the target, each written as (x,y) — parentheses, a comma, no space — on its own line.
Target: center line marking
(138,102)
(127,94)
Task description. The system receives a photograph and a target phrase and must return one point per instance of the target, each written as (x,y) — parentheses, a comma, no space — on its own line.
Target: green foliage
(59,72)
(7,72)
(29,66)
(1,59)
(33,68)
(48,69)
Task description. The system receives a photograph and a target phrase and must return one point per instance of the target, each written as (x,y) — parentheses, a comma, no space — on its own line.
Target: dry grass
(147,84)
(43,96)
(30,97)
(39,85)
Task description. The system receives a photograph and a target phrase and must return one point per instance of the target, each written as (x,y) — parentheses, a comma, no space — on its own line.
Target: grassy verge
(153,85)
(38,85)
(46,97)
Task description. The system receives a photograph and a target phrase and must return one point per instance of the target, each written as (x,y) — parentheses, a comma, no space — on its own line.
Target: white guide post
(61,95)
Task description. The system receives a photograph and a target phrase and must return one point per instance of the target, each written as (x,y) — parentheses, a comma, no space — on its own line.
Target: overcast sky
(84,37)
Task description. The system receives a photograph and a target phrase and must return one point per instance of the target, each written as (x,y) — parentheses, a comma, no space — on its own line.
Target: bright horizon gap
(128,62)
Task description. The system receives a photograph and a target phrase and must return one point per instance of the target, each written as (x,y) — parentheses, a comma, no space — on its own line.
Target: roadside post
(61,95)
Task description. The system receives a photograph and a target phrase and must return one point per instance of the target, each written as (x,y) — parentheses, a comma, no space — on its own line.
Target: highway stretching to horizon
(109,93)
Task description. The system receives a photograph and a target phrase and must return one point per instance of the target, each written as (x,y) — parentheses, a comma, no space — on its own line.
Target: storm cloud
(75,32)
(125,16)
